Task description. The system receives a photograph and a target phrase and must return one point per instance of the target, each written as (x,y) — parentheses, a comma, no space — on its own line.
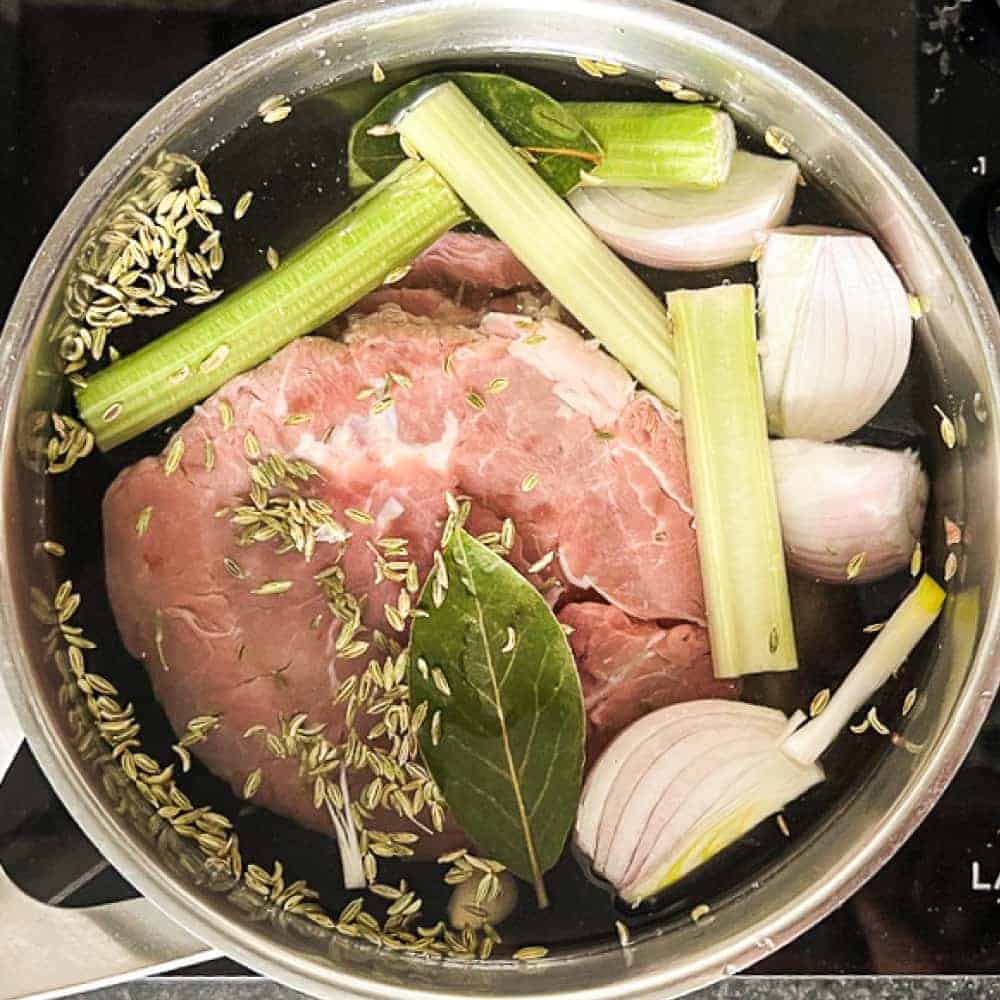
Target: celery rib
(545,234)
(382,231)
(657,145)
(736,509)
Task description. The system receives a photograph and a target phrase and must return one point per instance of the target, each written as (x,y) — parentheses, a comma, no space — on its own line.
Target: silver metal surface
(875,184)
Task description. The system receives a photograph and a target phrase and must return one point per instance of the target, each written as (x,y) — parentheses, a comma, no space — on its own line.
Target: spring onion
(684,782)
(658,145)
(382,231)
(693,230)
(545,234)
(736,509)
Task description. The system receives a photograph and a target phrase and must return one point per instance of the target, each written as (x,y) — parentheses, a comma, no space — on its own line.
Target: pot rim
(245,62)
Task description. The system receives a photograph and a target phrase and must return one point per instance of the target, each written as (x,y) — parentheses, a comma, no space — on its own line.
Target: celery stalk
(545,234)
(351,256)
(658,145)
(736,509)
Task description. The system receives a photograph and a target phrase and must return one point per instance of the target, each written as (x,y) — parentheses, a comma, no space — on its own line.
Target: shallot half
(849,513)
(684,782)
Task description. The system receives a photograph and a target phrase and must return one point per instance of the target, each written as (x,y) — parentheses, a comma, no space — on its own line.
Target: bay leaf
(508,748)
(524,115)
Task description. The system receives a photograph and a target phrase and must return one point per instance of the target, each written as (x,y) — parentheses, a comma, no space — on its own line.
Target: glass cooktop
(76,73)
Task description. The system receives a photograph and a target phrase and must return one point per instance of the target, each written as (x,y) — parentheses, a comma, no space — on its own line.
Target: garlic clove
(835,331)
(849,513)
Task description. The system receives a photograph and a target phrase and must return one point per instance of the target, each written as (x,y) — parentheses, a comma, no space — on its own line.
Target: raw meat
(482,413)
(629,668)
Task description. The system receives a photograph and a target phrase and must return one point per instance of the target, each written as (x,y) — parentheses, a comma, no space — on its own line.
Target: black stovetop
(77,73)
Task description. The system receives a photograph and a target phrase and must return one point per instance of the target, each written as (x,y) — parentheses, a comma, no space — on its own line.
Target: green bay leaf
(524,115)
(509,757)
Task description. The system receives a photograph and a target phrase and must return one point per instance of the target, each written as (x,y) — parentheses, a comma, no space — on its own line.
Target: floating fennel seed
(946,428)
(778,139)
(873,628)
(856,565)
(668,86)
(497,386)
(54,548)
(378,74)
(251,446)
(226,414)
(861,727)
(876,723)
(598,69)
(529,482)
(273,258)
(689,96)
(542,563)
(950,567)
(273,587)
(377,131)
(112,412)
(436,728)
(234,569)
(271,103)
(700,912)
(909,701)
(242,205)
(209,455)
(783,825)
(621,929)
(531,953)
(475,400)
(277,115)
(916,559)
(174,456)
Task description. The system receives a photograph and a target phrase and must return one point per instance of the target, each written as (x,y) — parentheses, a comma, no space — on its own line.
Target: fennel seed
(819,702)
(778,139)
(700,912)
(861,727)
(873,628)
(440,681)
(876,723)
(112,412)
(277,115)
(361,516)
(783,825)
(531,953)
(909,701)
(378,74)
(397,274)
(950,567)
(856,565)
(543,563)
(952,532)
(916,559)
(668,86)
(273,258)
(773,640)
(497,386)
(226,414)
(215,360)
(436,728)
(273,587)
(529,482)
(242,205)
(252,785)
(946,428)
(378,131)
(142,521)
(174,456)
(54,548)
(689,96)
(475,400)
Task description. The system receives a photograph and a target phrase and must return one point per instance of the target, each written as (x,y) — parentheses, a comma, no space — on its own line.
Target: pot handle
(48,952)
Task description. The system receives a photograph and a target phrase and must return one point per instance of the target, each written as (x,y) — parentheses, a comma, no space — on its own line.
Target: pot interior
(759,892)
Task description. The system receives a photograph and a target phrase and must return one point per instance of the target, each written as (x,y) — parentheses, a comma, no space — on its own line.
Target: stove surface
(77,73)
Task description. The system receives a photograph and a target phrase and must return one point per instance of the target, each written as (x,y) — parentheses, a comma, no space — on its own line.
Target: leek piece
(382,231)
(658,145)
(880,661)
(547,236)
(736,508)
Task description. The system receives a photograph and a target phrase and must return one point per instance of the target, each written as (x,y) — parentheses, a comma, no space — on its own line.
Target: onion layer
(835,331)
(849,513)
(693,230)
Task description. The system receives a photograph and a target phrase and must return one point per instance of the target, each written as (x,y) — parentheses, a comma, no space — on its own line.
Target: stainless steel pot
(43,951)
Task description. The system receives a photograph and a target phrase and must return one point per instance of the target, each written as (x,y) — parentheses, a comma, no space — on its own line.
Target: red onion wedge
(693,230)
(849,513)
(686,781)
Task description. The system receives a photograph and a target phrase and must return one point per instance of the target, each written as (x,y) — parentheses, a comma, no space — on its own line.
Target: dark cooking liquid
(297,170)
